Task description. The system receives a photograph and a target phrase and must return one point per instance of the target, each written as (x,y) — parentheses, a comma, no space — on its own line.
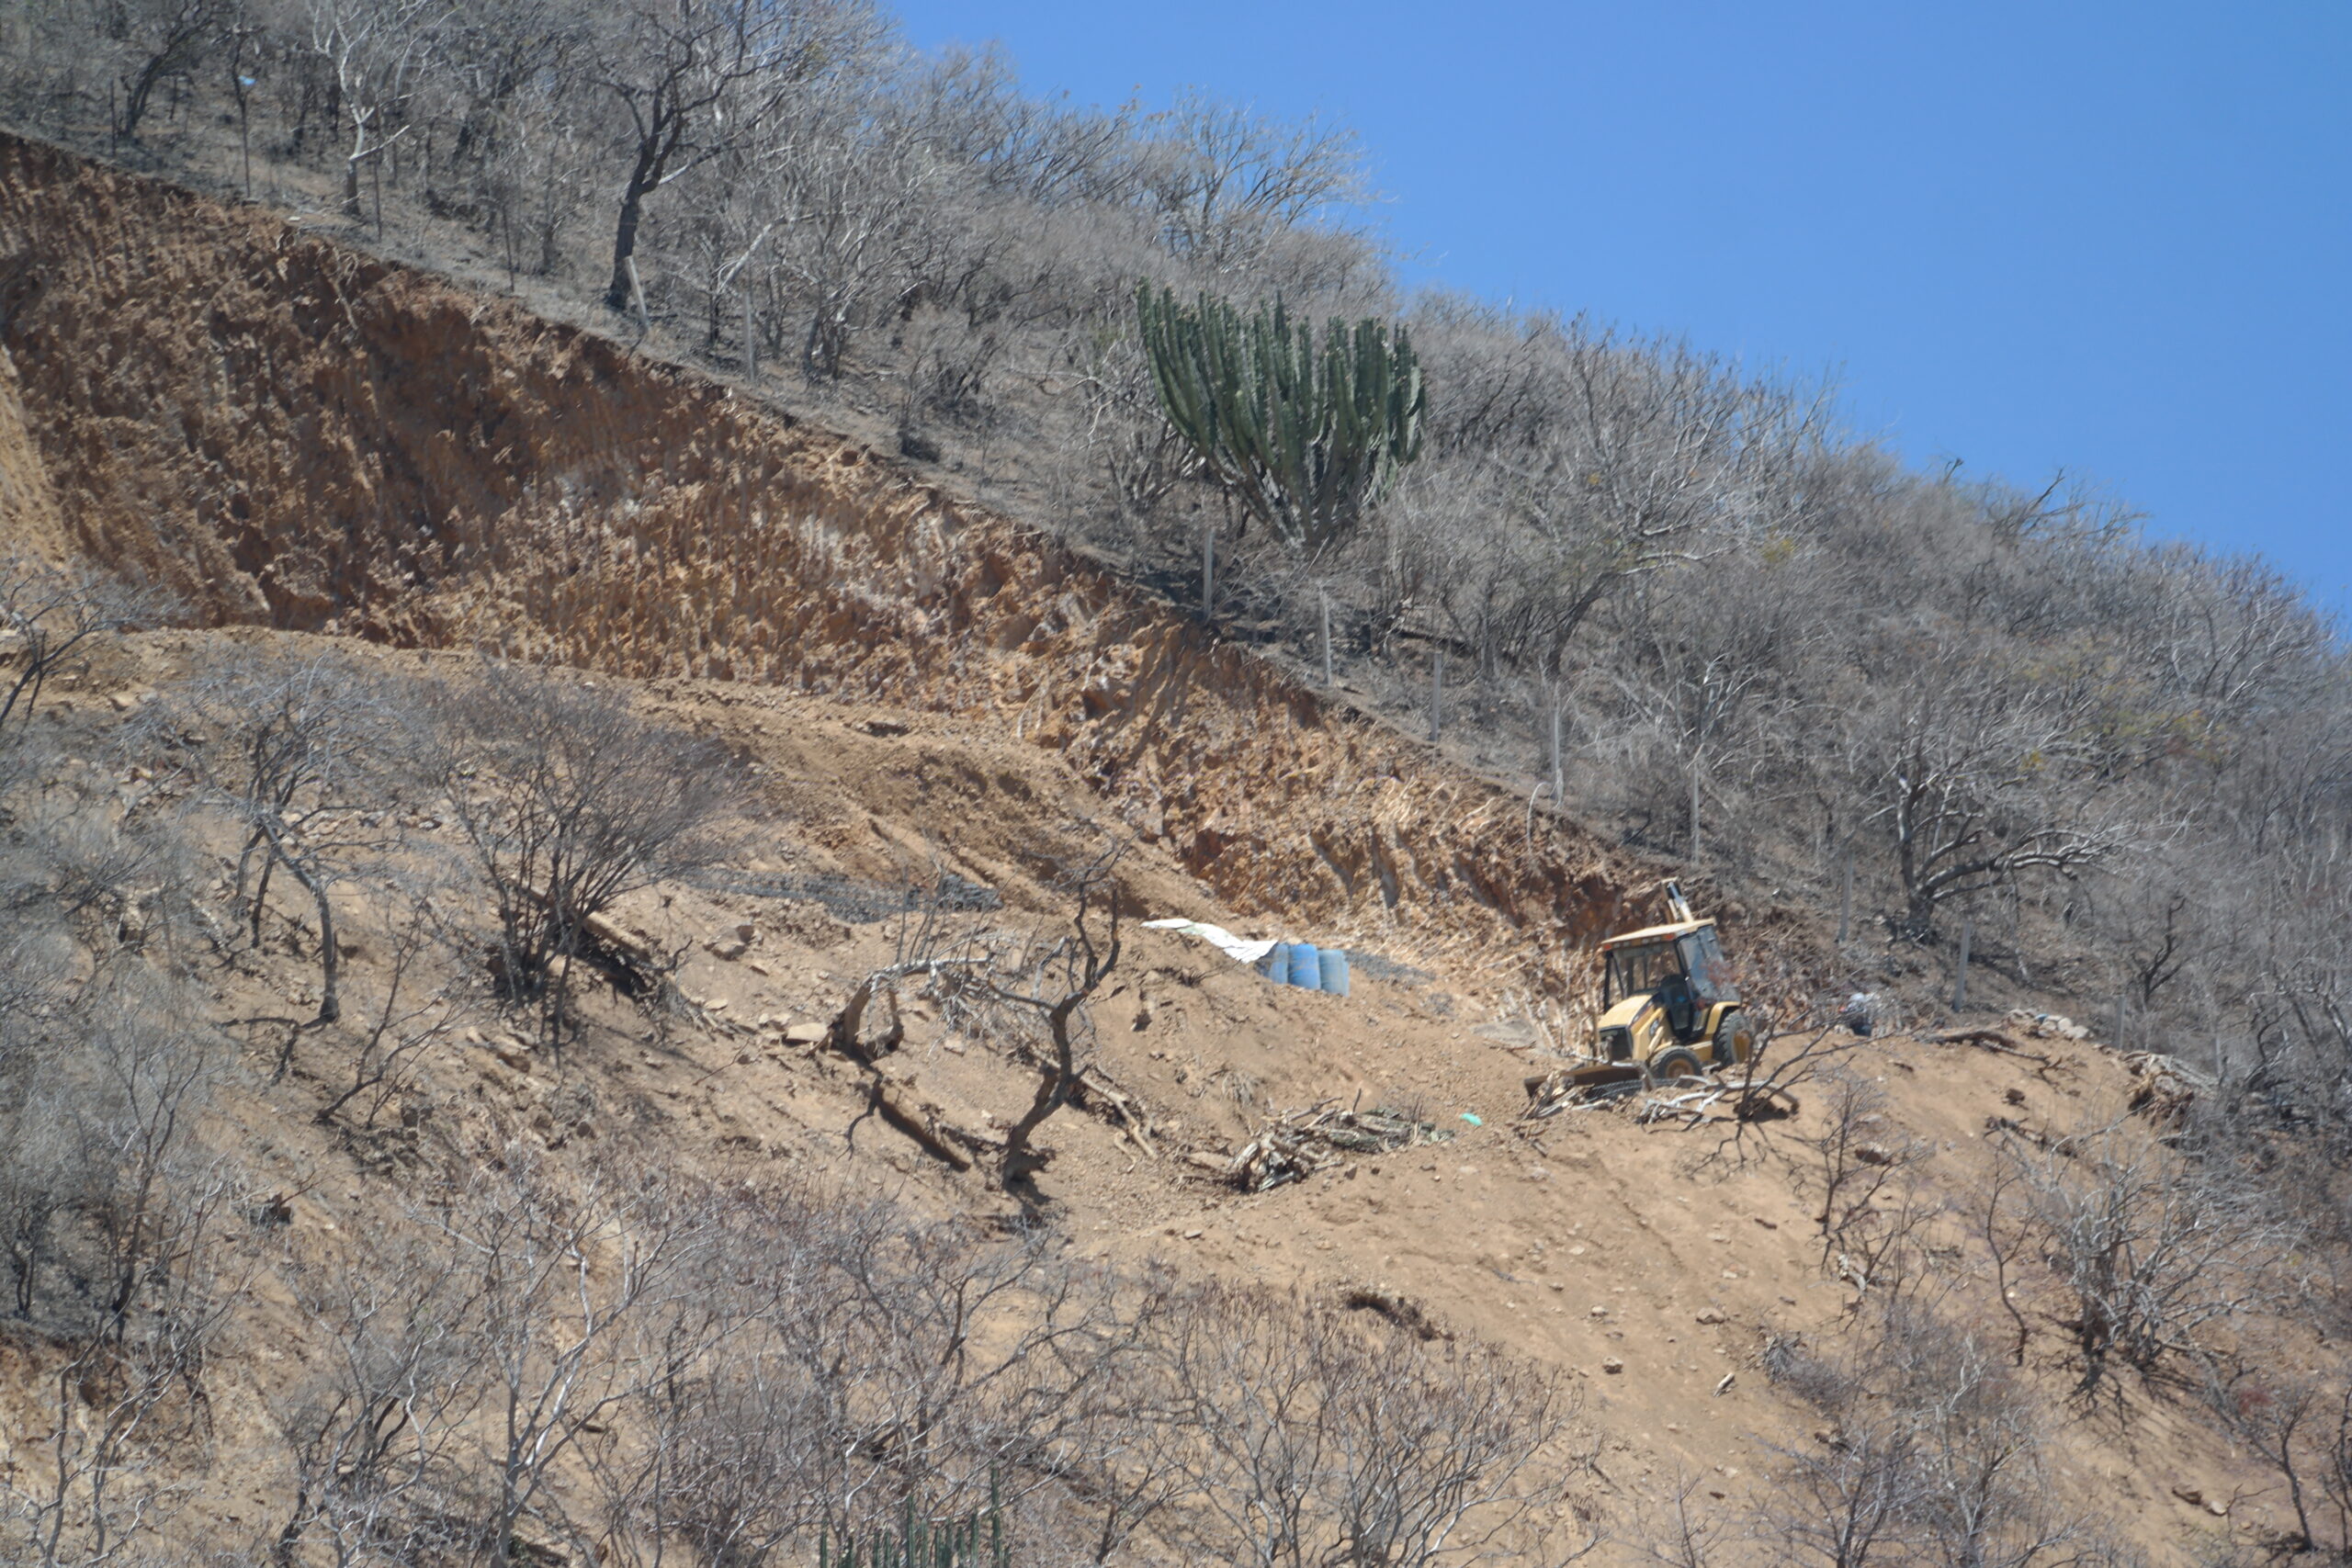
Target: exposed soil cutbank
(288,432)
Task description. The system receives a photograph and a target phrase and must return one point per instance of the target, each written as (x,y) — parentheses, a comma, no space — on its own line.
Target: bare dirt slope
(291,435)
(1646,1262)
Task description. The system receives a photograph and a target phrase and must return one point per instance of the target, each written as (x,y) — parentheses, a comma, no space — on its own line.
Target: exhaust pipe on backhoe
(1676,905)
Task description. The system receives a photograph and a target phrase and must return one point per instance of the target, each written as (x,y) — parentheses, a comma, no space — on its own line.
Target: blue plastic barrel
(1333,965)
(1306,967)
(1275,965)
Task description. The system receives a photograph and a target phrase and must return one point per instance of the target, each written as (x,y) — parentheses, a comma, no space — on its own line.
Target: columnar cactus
(1306,438)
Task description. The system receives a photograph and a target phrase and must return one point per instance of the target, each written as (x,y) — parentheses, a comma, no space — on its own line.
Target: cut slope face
(286,431)
(30,517)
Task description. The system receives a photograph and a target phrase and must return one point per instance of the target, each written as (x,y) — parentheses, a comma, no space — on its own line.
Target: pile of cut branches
(1297,1144)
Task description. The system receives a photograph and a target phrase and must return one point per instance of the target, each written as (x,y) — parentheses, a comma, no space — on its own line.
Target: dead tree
(160,39)
(693,77)
(568,801)
(1062,981)
(48,615)
(1030,992)
(2149,1250)
(377,50)
(295,759)
(408,1026)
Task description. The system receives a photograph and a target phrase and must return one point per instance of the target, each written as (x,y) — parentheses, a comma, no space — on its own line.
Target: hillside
(319,454)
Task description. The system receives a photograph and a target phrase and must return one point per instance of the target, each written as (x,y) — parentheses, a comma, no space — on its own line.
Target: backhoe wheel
(1735,1040)
(1676,1062)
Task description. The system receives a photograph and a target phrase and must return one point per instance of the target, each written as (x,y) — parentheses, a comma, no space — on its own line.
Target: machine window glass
(1710,972)
(1644,967)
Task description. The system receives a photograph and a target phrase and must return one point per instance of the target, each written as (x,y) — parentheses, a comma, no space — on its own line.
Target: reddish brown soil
(289,434)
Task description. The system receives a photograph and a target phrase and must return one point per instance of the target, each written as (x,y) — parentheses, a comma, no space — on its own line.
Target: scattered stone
(1711,1316)
(2190,1495)
(756,968)
(1598,1312)
(1612,1366)
(804,1034)
(2046,1025)
(1874,1154)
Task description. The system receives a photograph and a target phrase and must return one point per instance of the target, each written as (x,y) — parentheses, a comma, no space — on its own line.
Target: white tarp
(1236,948)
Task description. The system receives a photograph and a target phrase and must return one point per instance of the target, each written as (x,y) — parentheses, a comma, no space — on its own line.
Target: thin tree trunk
(1559,770)
(330,955)
(1208,571)
(134,109)
(1959,970)
(1020,1163)
(1325,596)
(1696,768)
(633,195)
(351,170)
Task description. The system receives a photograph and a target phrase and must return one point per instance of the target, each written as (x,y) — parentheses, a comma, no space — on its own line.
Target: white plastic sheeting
(1240,949)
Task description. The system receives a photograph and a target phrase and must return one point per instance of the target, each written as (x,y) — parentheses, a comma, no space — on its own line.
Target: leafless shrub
(2147,1247)
(1783,1062)
(1679,1534)
(374,1435)
(104,1479)
(2281,1418)
(1870,1215)
(582,1292)
(412,1022)
(294,751)
(872,1361)
(567,800)
(1315,1437)
(136,1221)
(1933,1455)
(1026,991)
(48,619)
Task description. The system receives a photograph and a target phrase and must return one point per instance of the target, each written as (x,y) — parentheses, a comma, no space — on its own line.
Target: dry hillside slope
(287,432)
(305,444)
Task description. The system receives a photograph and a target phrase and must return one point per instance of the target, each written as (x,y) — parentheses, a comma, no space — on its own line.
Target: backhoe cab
(1669,1008)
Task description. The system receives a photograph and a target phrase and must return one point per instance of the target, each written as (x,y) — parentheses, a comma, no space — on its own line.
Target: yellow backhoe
(1669,1008)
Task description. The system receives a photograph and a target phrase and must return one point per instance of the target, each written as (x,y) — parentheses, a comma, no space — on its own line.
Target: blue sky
(2115,239)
